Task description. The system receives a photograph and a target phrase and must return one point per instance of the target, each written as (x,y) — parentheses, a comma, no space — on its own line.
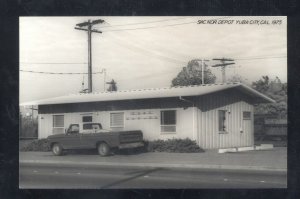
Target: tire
(103,149)
(57,149)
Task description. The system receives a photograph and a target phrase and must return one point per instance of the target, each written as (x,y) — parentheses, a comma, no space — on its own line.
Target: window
(87,119)
(168,121)
(222,120)
(117,120)
(246,115)
(73,129)
(91,126)
(58,124)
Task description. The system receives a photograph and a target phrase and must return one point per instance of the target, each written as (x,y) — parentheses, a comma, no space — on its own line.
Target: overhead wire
(161,26)
(261,58)
(50,63)
(64,73)
(57,73)
(131,24)
(137,48)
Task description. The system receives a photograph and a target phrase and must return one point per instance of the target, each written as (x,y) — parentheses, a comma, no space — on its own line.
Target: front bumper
(131,145)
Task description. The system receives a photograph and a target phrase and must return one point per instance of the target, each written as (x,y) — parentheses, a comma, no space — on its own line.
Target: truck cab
(85,128)
(92,135)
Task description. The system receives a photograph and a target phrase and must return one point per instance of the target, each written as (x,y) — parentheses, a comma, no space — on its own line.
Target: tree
(262,85)
(275,90)
(237,78)
(112,85)
(192,75)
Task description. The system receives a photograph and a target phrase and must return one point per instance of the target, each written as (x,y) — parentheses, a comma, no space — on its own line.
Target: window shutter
(58,121)
(58,124)
(117,119)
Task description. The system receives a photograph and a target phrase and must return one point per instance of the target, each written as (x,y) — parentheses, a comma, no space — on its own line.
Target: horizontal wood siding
(209,136)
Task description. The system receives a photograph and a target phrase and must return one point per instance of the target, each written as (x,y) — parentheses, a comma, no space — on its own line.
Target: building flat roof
(183,91)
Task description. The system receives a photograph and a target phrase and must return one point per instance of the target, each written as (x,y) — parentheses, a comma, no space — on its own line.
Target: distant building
(214,115)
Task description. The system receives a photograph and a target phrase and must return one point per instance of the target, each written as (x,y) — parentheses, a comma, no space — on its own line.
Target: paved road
(55,176)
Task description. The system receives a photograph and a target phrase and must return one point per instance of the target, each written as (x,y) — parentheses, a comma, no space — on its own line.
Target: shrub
(28,127)
(173,146)
(37,145)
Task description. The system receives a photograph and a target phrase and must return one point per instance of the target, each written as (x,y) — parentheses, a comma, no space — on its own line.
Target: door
(246,132)
(72,137)
(89,134)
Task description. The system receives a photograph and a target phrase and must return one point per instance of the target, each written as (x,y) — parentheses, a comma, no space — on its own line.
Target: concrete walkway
(274,159)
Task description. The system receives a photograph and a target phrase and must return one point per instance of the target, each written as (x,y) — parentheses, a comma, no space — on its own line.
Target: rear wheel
(57,149)
(103,149)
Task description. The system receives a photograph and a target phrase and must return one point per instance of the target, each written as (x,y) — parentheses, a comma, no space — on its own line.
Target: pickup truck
(92,135)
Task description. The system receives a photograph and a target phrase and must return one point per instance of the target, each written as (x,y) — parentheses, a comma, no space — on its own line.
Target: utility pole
(223,66)
(88,27)
(32,109)
(202,69)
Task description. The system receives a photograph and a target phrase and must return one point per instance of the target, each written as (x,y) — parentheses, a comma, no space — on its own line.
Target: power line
(162,26)
(131,24)
(262,58)
(50,63)
(150,27)
(55,73)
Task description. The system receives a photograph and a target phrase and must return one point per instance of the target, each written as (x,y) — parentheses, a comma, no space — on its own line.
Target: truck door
(89,132)
(72,138)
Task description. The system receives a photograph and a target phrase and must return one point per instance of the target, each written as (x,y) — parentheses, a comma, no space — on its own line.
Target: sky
(145,52)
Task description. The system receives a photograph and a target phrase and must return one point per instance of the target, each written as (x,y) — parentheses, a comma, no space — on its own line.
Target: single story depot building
(214,115)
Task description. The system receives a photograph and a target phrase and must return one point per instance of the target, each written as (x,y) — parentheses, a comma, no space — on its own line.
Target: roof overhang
(257,96)
(153,93)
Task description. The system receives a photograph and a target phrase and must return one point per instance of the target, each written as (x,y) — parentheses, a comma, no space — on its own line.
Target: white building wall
(146,120)
(208,133)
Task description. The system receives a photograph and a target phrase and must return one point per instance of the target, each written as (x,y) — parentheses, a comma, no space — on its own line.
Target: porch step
(249,148)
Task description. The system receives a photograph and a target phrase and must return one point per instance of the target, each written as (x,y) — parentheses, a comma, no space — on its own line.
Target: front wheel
(103,149)
(57,149)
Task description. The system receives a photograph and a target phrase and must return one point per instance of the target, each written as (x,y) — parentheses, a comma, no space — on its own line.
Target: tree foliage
(237,78)
(28,126)
(192,75)
(275,90)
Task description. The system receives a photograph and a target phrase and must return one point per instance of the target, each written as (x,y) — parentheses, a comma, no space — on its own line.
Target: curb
(189,166)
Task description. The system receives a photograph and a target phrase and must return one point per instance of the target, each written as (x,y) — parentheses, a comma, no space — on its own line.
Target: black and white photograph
(153,102)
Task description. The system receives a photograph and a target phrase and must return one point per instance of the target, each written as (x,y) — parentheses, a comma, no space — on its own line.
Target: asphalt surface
(110,177)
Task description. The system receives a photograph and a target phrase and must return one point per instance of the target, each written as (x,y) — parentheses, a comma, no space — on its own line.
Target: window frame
(223,128)
(58,127)
(168,125)
(85,116)
(110,120)
(73,132)
(247,118)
